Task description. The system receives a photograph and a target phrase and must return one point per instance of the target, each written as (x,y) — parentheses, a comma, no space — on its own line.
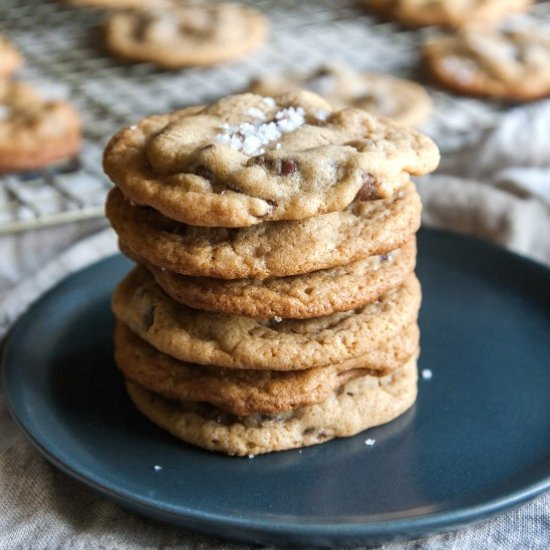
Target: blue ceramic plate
(476,443)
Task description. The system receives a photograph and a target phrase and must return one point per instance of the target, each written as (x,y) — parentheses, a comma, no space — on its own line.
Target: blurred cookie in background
(185,35)
(34,132)
(404,101)
(117,4)
(447,13)
(10,58)
(510,64)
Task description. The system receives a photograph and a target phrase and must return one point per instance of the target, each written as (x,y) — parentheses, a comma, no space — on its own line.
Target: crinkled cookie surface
(249,159)
(271,249)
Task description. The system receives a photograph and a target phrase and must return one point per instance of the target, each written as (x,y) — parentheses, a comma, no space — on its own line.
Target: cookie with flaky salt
(249,159)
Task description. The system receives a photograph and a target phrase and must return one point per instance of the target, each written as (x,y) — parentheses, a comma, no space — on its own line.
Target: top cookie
(183,35)
(512,64)
(248,159)
(10,58)
(403,101)
(448,13)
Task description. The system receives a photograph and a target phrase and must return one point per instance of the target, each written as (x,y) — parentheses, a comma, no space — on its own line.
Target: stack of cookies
(274,305)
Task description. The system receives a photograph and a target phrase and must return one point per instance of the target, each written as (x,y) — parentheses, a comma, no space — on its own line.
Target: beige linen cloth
(497,189)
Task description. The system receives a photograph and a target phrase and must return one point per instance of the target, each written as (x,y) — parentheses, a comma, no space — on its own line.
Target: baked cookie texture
(271,249)
(34,133)
(251,391)
(10,58)
(360,404)
(404,101)
(248,159)
(186,34)
(511,64)
(294,297)
(447,13)
(275,303)
(240,342)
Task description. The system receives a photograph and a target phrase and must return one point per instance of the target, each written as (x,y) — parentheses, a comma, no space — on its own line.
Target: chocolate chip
(368,189)
(281,167)
(204,172)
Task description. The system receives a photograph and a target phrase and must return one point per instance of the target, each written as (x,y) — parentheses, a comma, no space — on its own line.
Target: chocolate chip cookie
(249,159)
(246,391)
(234,341)
(272,249)
(510,64)
(295,297)
(183,35)
(403,101)
(360,404)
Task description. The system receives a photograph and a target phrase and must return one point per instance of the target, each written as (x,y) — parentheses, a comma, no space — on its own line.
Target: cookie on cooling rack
(510,64)
(401,100)
(187,34)
(448,13)
(10,58)
(34,133)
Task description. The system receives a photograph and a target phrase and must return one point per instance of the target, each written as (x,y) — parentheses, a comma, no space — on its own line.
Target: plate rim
(332,529)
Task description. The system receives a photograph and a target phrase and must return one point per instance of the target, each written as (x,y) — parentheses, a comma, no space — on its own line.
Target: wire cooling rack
(65,59)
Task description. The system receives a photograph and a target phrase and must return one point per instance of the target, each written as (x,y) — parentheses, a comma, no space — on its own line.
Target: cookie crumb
(133,127)
(277,319)
(251,457)
(269,101)
(426,374)
(157,468)
(370,442)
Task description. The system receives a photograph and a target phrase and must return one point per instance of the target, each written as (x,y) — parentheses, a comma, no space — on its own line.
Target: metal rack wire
(65,58)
